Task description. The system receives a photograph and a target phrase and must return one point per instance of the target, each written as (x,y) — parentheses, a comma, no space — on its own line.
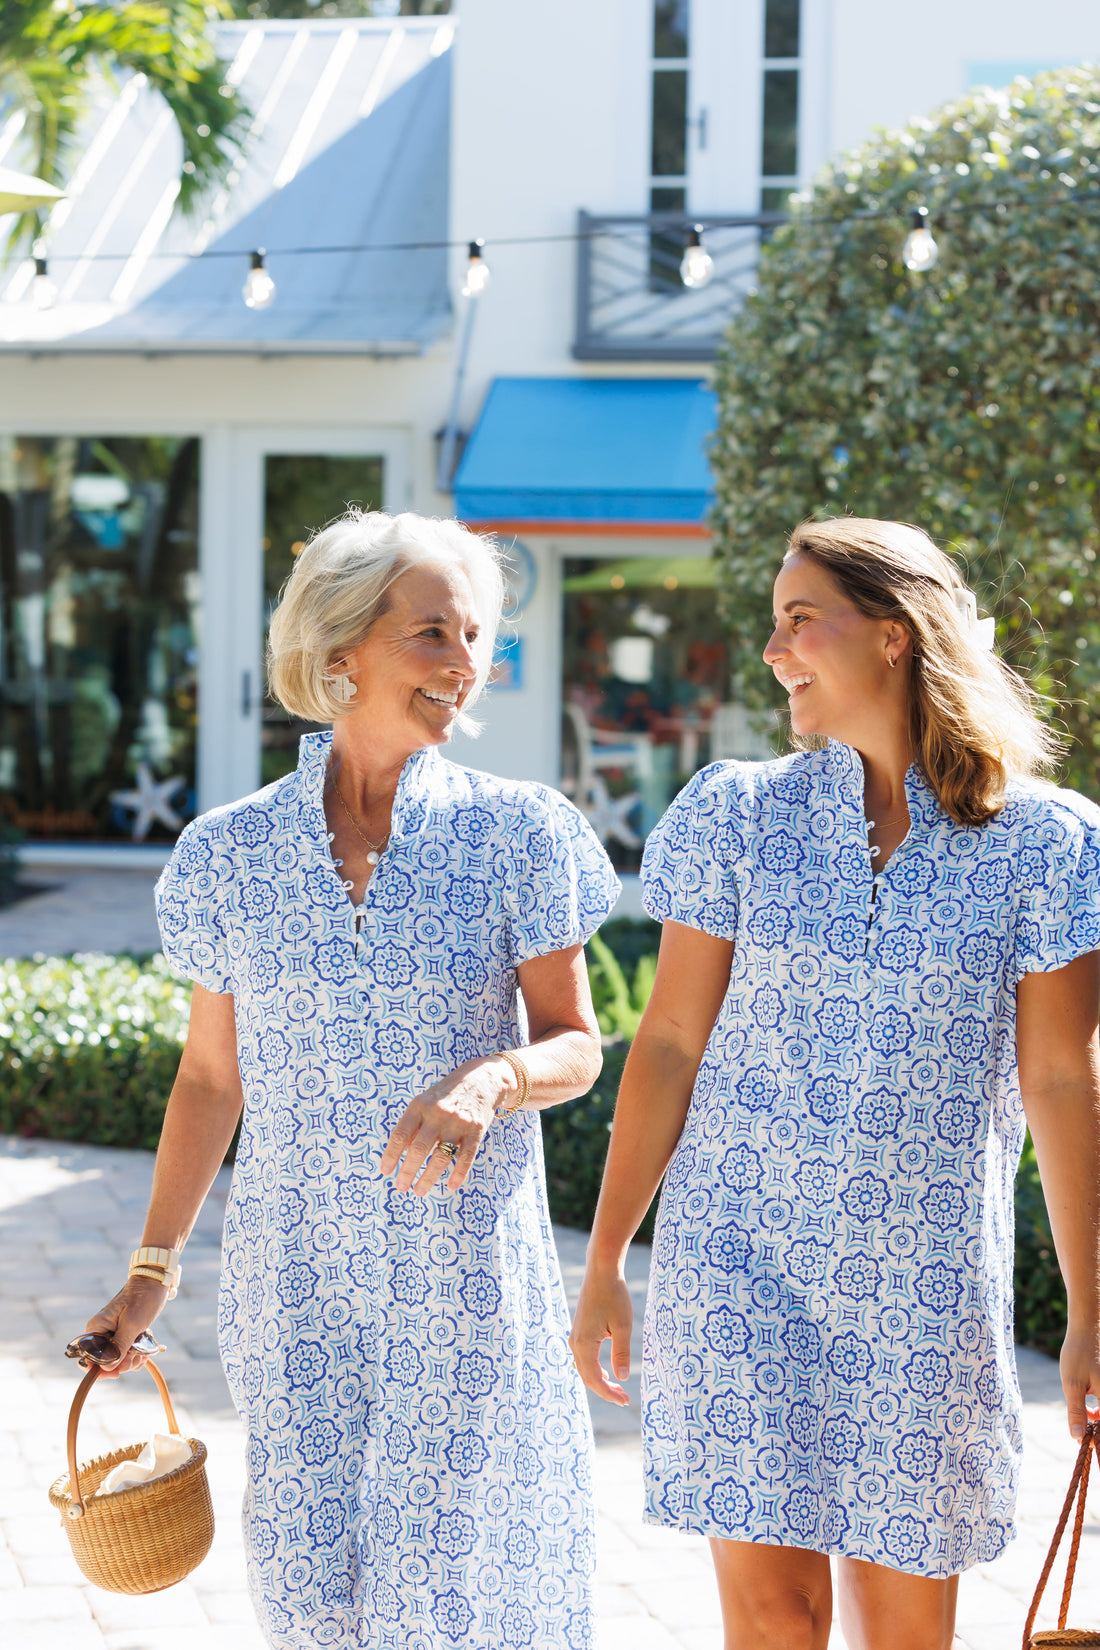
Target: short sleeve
(688,869)
(1058,883)
(560,883)
(191,896)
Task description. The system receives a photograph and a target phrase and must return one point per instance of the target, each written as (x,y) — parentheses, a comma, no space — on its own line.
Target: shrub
(89,1047)
(964,399)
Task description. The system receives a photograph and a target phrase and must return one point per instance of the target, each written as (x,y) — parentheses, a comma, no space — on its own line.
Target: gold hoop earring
(891,662)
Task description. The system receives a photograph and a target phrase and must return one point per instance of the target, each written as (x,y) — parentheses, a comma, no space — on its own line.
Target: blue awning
(578,450)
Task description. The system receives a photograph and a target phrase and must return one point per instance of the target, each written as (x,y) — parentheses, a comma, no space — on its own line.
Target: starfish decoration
(607,814)
(149,801)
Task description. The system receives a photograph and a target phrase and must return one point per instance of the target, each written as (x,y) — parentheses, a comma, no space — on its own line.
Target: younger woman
(879,956)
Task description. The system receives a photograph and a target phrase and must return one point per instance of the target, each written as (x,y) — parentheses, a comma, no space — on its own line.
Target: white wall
(551,114)
(890,62)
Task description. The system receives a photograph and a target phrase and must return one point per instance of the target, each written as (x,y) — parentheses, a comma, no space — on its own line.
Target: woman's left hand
(1080,1370)
(459,1109)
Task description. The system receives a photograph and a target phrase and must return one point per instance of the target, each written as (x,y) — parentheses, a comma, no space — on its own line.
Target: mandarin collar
(845,766)
(413,787)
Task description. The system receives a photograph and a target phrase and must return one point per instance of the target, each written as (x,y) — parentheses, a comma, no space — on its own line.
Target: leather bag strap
(1078,1488)
(76,1499)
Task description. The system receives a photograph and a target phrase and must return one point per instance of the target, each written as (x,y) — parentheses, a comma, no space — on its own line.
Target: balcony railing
(631,302)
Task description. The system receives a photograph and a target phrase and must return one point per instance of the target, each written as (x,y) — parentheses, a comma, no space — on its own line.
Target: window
(646,667)
(301,493)
(779,135)
(668,161)
(670,28)
(99,598)
(669,157)
(781,28)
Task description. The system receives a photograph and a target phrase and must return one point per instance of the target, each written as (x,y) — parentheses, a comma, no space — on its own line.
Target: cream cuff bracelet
(162,1265)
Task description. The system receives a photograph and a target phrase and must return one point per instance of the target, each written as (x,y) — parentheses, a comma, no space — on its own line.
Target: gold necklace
(375,848)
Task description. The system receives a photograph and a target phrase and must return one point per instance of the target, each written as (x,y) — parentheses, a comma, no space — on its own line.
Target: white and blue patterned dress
(828,1343)
(419,1469)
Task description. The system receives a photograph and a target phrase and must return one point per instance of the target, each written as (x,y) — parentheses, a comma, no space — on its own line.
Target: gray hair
(340,585)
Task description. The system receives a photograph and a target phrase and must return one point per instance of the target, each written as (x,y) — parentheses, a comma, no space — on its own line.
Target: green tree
(51,52)
(965,399)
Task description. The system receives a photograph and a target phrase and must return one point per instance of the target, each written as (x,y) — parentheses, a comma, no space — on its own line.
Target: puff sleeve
(559,883)
(1058,882)
(192,905)
(688,869)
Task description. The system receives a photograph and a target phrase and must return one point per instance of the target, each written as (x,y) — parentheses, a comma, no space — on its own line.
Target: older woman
(392,1320)
(878,956)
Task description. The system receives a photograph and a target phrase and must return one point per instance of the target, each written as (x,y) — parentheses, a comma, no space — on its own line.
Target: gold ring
(447,1147)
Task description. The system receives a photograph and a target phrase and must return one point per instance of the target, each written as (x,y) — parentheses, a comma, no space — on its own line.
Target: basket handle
(1078,1486)
(75,1508)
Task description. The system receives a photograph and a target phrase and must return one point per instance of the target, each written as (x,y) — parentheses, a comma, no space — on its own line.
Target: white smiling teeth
(793,682)
(440,698)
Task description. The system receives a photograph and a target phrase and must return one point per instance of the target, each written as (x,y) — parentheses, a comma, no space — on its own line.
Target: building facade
(165,449)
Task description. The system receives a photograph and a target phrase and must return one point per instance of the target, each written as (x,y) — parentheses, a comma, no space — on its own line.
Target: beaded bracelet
(523,1078)
(170,1280)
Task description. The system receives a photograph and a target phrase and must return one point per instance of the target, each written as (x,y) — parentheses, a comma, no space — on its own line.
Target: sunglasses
(101,1349)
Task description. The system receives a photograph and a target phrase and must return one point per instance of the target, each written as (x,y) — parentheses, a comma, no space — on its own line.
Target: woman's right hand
(134,1308)
(605,1311)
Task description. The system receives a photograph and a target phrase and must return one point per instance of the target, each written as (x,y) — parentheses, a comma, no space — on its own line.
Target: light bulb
(43,291)
(259,289)
(477,272)
(696,265)
(920,251)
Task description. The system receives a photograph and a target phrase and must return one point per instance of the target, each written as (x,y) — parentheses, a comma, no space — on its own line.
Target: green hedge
(89,1047)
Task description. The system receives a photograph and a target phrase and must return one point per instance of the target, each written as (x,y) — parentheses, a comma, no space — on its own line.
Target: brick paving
(69,1215)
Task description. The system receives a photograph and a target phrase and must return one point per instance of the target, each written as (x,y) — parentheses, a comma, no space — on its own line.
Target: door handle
(246,693)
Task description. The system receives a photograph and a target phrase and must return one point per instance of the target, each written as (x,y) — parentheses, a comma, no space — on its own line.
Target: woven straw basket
(1078,1487)
(147,1537)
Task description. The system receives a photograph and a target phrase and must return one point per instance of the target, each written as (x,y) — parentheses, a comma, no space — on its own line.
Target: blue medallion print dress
(419,1471)
(828,1343)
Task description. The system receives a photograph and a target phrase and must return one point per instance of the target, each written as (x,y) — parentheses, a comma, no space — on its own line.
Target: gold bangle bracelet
(523,1078)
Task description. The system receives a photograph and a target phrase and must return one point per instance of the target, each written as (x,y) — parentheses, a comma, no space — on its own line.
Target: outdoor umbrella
(18,192)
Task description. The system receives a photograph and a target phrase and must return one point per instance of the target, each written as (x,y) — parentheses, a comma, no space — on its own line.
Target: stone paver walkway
(81,911)
(68,1217)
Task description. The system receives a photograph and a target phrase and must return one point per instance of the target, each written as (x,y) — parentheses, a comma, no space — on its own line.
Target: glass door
(265,492)
(99,635)
(303,491)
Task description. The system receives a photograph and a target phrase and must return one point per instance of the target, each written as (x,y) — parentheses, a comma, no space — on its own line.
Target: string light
(43,290)
(696,265)
(259,289)
(478,273)
(920,252)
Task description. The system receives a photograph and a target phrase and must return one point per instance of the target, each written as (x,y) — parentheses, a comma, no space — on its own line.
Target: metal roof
(347,144)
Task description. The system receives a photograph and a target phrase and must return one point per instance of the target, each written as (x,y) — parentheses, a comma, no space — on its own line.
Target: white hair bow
(981,632)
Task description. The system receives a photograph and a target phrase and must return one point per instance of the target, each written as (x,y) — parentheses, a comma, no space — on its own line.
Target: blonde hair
(340,585)
(973,722)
